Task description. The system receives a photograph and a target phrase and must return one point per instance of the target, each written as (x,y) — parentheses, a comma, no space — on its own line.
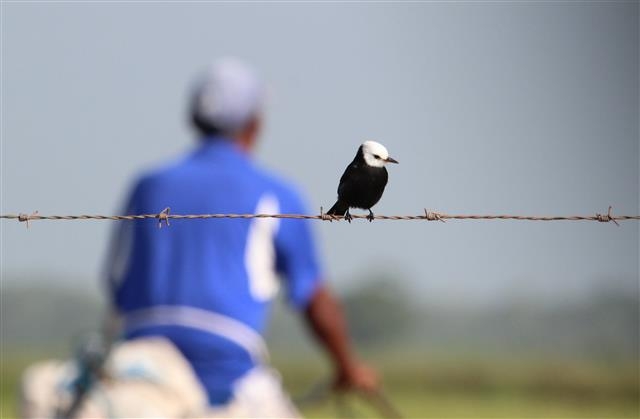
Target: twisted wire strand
(164,216)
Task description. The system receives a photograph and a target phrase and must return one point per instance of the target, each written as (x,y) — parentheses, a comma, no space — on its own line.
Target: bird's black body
(361,186)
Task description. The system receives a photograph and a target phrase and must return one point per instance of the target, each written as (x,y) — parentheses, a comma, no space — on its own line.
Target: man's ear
(248,137)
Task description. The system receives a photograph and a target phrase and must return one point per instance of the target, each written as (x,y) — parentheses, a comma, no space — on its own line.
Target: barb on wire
(325,217)
(24,218)
(605,218)
(433,216)
(164,216)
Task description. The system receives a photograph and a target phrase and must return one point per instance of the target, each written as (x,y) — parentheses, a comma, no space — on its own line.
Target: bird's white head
(375,154)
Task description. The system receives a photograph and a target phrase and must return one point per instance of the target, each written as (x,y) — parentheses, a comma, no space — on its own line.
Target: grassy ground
(418,404)
(490,389)
(448,388)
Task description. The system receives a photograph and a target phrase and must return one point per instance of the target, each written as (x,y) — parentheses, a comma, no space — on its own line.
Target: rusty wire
(164,216)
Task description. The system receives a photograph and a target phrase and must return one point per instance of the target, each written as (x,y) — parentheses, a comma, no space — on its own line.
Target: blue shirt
(224,266)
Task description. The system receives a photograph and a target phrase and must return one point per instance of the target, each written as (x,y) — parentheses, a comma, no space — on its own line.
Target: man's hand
(358,376)
(324,316)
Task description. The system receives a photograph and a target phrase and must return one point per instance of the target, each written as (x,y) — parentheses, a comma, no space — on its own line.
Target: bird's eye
(376,156)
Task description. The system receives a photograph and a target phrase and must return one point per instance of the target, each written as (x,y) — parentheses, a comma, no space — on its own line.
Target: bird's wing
(349,180)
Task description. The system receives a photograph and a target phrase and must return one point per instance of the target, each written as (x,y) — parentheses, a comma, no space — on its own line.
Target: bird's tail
(339,208)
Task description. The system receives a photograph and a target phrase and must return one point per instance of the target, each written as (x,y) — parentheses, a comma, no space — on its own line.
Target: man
(206,285)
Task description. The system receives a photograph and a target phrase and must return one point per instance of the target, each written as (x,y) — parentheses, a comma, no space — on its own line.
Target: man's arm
(325,318)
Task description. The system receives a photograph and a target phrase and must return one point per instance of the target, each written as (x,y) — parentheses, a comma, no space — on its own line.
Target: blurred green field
(447,388)
(569,360)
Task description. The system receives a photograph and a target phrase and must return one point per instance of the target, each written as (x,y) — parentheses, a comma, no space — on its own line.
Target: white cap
(228,95)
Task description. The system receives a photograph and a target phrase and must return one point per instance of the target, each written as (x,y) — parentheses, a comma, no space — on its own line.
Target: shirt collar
(220,147)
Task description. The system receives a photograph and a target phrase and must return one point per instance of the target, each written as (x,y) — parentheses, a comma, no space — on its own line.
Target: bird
(363,181)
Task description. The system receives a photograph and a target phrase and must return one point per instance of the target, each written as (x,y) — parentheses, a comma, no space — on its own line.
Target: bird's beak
(391,160)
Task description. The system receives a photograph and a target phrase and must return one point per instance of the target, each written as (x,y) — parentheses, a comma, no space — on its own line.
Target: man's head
(227,100)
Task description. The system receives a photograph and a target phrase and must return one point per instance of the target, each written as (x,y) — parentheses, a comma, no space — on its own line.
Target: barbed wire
(164,216)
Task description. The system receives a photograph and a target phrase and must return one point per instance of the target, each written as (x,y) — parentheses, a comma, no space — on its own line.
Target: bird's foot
(347,216)
(370,217)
